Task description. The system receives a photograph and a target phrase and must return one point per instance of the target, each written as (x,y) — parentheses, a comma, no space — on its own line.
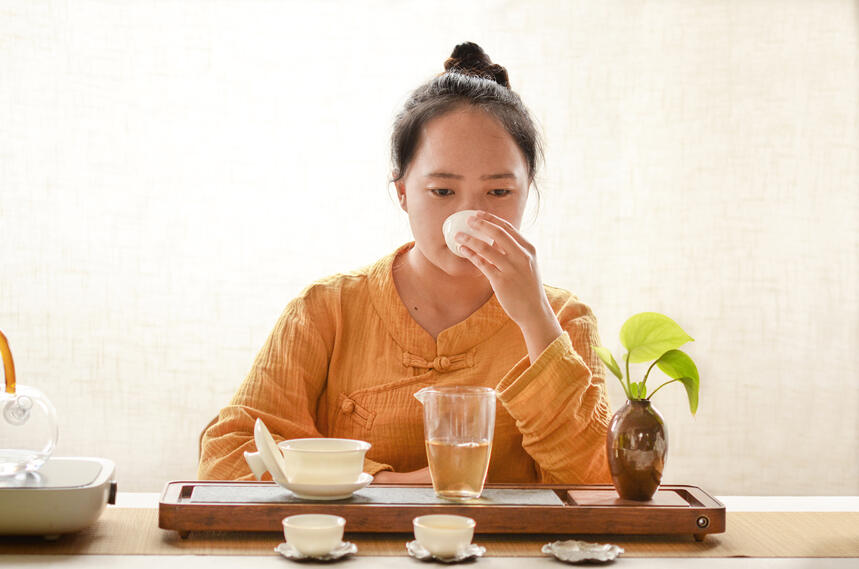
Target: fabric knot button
(347,407)
(441,363)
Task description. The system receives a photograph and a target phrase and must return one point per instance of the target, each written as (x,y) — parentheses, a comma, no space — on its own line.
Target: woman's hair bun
(469,59)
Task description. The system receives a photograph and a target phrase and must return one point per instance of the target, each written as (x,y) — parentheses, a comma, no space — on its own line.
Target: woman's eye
(500,193)
(441,192)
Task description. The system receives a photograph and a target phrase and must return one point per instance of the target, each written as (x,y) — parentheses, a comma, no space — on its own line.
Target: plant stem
(644,381)
(660,387)
(628,387)
(625,390)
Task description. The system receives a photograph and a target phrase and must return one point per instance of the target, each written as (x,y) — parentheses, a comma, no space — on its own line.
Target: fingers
(483,255)
(496,227)
(504,254)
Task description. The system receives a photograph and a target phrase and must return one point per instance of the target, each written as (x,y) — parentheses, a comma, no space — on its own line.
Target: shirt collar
(478,327)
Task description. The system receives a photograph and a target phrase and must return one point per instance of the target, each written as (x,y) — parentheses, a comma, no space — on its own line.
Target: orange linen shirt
(346,357)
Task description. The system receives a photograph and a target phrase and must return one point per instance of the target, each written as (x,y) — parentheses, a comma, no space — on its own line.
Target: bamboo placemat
(127,531)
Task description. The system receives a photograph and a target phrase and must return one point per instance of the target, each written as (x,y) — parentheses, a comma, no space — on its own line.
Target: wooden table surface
(733,504)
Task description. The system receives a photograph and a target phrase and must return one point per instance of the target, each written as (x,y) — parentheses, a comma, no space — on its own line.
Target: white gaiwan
(458,223)
(311,468)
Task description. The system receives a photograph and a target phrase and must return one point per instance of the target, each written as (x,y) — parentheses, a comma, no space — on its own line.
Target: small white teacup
(458,223)
(313,534)
(443,535)
(323,461)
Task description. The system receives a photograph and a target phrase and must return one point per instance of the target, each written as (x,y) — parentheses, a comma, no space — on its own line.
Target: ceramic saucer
(470,551)
(327,491)
(573,551)
(345,548)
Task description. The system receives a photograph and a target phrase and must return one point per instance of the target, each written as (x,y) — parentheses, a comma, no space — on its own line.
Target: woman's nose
(473,202)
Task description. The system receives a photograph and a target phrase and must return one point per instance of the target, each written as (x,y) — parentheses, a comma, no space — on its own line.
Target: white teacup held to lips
(458,223)
(312,468)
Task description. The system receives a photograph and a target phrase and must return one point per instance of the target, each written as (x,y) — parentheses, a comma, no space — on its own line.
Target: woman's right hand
(421,476)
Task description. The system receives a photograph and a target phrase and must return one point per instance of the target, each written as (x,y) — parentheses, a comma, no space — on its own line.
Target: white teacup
(443,535)
(458,223)
(313,534)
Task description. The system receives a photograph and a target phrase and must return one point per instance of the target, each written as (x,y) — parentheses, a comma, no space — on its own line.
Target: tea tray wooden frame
(187,506)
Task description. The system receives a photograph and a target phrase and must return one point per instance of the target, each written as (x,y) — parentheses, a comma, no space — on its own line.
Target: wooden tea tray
(187,506)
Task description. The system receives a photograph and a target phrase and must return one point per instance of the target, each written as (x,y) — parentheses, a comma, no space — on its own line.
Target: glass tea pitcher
(28,422)
(459,423)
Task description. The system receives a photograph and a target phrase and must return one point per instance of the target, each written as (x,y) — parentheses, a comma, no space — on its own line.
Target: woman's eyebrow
(449,176)
(501,176)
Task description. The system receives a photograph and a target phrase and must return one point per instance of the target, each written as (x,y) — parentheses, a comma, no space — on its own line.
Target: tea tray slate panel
(187,506)
(231,493)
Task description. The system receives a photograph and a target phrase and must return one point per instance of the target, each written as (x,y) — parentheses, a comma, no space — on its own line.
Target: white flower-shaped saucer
(344,549)
(470,551)
(573,551)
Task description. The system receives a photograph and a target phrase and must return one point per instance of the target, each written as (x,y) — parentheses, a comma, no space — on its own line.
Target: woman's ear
(401,195)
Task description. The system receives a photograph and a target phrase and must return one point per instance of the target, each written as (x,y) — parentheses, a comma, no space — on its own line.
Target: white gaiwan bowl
(312,468)
(323,461)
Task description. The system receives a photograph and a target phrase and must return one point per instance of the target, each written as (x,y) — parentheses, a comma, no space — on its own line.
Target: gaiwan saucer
(327,491)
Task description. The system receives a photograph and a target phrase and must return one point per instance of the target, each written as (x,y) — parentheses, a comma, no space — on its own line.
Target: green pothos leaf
(609,361)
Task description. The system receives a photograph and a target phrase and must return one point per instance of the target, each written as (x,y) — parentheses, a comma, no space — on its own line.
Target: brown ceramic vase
(636,445)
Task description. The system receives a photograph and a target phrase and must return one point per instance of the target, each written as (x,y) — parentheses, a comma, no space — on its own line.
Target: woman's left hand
(510,265)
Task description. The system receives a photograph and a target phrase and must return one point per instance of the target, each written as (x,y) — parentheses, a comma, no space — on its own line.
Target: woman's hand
(421,476)
(510,265)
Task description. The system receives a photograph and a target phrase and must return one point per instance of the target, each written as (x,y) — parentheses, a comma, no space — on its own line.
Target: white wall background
(172,173)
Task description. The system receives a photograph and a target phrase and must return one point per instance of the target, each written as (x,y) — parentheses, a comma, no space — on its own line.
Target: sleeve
(282,388)
(560,405)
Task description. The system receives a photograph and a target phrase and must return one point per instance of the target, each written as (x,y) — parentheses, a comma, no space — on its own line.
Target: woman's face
(465,159)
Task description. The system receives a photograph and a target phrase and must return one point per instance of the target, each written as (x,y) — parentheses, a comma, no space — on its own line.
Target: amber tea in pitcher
(458,426)
(458,470)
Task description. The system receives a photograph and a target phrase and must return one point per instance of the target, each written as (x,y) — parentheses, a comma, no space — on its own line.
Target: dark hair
(470,78)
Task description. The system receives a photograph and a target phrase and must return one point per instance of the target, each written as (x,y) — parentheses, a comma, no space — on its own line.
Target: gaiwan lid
(28,423)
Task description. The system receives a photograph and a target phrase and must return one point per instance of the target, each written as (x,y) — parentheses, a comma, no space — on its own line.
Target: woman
(347,355)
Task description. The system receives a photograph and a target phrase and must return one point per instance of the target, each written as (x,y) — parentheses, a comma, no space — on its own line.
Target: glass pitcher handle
(8,363)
